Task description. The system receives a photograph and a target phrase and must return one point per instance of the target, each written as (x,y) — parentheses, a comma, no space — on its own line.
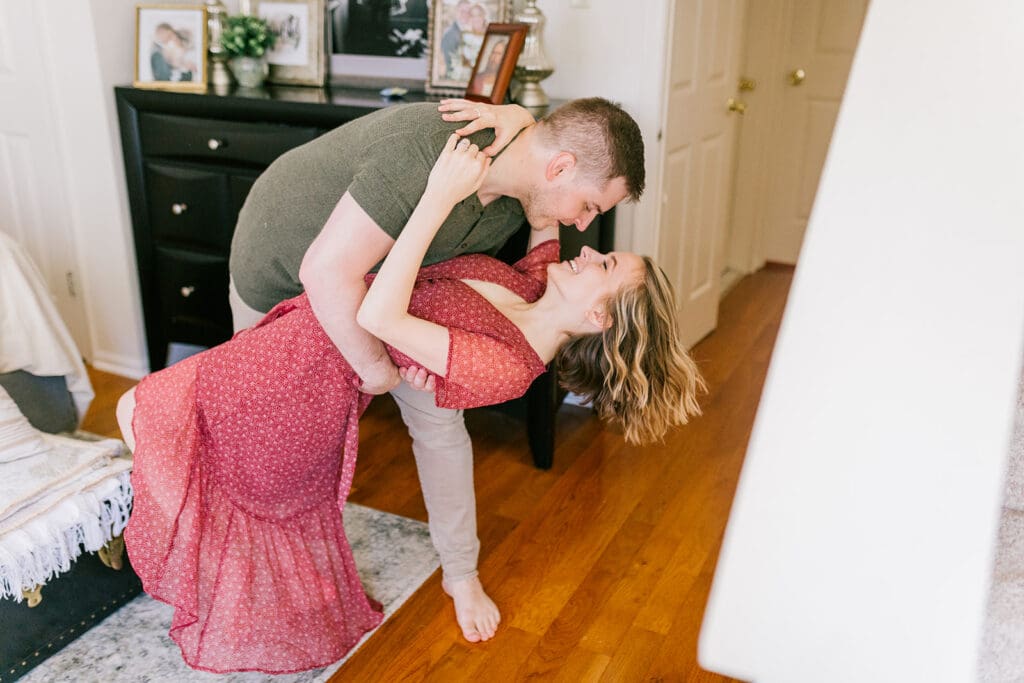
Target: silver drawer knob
(214,143)
(179,208)
(187,291)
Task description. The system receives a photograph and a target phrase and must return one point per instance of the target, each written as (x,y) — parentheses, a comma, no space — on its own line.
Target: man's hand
(506,120)
(380,379)
(418,378)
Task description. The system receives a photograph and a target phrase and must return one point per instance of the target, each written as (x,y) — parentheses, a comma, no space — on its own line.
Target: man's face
(571,200)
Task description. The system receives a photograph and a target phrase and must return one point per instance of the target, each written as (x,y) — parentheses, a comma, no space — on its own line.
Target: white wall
(88,47)
(861,536)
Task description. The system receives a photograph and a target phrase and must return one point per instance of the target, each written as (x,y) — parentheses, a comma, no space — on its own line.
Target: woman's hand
(506,120)
(458,171)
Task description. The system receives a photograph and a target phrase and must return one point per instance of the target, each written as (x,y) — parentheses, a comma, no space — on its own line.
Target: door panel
(699,134)
(822,39)
(33,199)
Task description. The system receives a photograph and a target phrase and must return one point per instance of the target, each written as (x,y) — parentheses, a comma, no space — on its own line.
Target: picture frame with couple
(171,44)
(170,47)
(455,34)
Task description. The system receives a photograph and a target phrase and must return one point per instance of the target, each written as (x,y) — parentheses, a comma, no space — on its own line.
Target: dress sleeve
(482,371)
(535,263)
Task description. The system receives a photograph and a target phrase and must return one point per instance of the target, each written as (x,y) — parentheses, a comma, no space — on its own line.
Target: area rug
(394,556)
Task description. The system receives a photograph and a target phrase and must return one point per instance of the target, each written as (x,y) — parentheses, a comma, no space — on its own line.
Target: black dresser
(190,160)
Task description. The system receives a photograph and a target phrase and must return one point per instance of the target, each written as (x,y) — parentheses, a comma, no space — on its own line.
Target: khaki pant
(444,461)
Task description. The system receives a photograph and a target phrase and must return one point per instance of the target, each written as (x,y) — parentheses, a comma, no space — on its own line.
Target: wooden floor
(602,565)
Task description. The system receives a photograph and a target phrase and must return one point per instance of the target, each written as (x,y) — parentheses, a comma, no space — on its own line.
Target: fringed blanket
(54,505)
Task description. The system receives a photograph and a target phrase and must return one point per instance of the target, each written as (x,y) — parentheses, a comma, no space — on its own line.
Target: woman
(244,454)
(483,82)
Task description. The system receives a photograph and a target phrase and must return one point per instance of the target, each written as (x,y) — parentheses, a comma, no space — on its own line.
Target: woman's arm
(458,172)
(506,120)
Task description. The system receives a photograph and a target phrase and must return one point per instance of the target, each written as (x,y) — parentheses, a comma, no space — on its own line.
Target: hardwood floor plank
(561,640)
(100,418)
(505,657)
(582,667)
(638,648)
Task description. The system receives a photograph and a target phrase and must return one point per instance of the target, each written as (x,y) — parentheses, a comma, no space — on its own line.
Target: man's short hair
(605,140)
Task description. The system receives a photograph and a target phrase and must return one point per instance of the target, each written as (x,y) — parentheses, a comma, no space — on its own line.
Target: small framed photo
(497,60)
(299,56)
(455,32)
(170,47)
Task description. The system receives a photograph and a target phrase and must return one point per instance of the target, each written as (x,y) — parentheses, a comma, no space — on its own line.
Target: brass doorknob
(797,76)
(735,105)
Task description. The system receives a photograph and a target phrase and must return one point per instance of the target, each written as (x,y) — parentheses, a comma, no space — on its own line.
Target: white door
(798,53)
(33,203)
(697,163)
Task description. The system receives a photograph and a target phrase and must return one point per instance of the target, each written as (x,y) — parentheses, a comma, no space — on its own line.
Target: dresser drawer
(193,293)
(240,186)
(189,205)
(187,137)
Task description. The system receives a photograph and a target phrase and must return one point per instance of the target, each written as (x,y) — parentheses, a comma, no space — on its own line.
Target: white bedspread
(33,336)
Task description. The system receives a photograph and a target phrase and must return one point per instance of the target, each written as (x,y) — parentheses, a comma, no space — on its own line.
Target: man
(451,39)
(324,214)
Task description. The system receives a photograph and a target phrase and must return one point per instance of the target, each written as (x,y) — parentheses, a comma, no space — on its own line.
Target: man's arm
(332,272)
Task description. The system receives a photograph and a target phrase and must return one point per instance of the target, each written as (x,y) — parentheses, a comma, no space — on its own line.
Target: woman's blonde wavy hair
(637,371)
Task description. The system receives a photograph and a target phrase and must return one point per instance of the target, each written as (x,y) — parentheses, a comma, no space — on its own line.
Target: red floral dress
(245,455)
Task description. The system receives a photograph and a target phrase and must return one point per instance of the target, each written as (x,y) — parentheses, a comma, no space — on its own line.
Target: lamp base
(220,77)
(532,96)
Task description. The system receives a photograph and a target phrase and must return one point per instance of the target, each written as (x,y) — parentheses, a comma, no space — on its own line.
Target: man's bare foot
(476,613)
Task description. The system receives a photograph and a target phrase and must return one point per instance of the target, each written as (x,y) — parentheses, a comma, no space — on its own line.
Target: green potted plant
(246,39)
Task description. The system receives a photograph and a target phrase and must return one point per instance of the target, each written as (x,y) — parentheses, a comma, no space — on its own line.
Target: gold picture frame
(170,47)
(455,33)
(299,56)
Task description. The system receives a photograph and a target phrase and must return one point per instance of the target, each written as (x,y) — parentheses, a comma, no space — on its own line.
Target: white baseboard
(125,366)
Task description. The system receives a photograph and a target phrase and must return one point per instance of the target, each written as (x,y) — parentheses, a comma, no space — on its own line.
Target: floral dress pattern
(245,455)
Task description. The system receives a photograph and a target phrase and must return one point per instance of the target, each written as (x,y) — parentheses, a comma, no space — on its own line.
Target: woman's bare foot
(476,613)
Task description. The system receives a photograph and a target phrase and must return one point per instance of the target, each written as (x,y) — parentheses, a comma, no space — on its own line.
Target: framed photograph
(456,32)
(299,56)
(497,60)
(170,47)
(376,43)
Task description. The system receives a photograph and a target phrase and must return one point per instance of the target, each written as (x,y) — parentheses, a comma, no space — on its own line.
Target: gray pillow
(18,438)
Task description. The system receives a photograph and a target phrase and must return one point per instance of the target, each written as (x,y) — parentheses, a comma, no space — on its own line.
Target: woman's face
(497,54)
(592,277)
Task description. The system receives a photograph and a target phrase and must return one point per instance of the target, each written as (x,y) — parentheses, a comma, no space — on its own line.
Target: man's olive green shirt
(383,159)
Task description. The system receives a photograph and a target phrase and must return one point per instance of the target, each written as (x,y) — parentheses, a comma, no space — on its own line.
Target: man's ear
(599,318)
(563,163)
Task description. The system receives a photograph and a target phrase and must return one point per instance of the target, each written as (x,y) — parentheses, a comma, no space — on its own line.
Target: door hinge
(69,278)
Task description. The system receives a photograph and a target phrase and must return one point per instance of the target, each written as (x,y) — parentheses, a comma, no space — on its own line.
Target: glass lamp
(533,65)
(219,78)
